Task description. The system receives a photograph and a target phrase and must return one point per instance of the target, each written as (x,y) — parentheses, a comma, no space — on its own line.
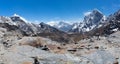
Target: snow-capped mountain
(20,25)
(63,26)
(91,21)
(107,25)
(19,17)
(76,27)
(24,25)
(94,22)
(112,23)
(45,28)
(52,23)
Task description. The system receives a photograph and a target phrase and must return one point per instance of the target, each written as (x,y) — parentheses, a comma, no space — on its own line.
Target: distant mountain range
(92,20)
(63,26)
(95,22)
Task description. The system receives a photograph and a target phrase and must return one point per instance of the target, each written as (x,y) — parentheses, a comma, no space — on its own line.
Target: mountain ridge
(94,22)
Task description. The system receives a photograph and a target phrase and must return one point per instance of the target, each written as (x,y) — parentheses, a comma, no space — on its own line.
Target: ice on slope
(16,15)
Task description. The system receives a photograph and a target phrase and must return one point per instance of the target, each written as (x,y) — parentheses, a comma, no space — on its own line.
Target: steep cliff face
(111,25)
(91,21)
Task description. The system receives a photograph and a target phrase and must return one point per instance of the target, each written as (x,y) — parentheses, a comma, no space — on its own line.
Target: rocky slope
(18,49)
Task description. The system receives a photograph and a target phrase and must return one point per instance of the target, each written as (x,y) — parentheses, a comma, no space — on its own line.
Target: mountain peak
(52,23)
(16,15)
(61,25)
(62,22)
(96,10)
(95,14)
(91,20)
(20,17)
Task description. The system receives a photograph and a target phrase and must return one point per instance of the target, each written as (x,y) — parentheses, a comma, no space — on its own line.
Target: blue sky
(48,10)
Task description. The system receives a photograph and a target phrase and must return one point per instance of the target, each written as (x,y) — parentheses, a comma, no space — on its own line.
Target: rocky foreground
(18,49)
